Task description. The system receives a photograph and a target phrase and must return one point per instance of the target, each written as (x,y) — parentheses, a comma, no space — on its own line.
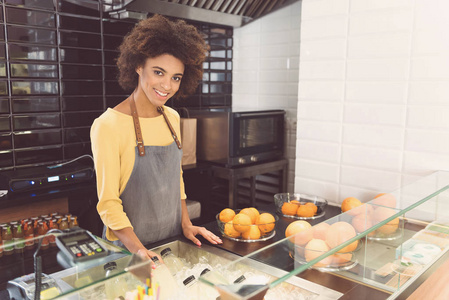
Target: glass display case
(386,243)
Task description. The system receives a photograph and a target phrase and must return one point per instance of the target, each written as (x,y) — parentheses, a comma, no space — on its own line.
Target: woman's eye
(177,78)
(158,72)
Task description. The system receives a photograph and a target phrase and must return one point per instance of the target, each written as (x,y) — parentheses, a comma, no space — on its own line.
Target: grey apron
(152,198)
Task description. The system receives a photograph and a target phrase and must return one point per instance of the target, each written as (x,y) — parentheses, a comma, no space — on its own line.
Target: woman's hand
(191,231)
(145,253)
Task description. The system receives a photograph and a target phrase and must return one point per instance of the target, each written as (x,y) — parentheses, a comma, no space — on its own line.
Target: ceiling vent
(235,13)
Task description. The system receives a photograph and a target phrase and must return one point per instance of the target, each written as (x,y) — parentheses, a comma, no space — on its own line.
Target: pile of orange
(312,242)
(364,216)
(248,223)
(295,208)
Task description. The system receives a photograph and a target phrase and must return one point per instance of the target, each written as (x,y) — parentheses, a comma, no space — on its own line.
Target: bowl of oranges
(300,206)
(247,224)
(307,242)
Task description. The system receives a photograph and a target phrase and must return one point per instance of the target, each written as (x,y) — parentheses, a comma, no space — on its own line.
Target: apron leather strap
(139,138)
(160,109)
(138,131)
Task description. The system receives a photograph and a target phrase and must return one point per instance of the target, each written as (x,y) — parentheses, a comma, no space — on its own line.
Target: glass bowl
(261,231)
(338,261)
(287,205)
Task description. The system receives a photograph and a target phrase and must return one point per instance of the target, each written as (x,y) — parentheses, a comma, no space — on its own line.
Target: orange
(226,215)
(252,234)
(250,213)
(300,232)
(339,233)
(289,208)
(385,199)
(350,203)
(362,222)
(341,259)
(315,248)
(230,231)
(255,211)
(382,213)
(241,222)
(265,222)
(319,230)
(315,208)
(305,211)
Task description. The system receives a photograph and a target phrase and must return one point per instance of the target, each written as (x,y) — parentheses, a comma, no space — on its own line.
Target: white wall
(266,69)
(373,100)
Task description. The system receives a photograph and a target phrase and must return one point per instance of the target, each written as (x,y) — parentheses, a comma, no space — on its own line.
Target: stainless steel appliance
(235,138)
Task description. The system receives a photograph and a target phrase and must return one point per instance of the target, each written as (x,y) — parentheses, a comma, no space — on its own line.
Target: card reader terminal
(80,245)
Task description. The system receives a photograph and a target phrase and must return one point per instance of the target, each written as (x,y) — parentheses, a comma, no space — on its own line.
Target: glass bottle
(42,230)
(1,243)
(29,235)
(35,227)
(64,224)
(115,287)
(19,238)
(51,237)
(173,263)
(191,285)
(73,222)
(215,278)
(8,244)
(68,216)
(58,219)
(169,286)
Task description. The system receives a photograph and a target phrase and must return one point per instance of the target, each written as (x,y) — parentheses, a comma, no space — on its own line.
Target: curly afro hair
(155,36)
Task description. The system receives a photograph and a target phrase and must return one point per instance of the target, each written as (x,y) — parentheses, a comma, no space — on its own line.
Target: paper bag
(188,138)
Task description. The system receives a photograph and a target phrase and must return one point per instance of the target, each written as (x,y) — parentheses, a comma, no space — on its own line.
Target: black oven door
(257,135)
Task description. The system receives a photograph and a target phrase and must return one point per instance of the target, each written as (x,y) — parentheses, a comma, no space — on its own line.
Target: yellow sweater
(113,147)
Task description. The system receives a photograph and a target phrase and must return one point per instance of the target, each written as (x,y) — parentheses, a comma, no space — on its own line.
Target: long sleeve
(105,149)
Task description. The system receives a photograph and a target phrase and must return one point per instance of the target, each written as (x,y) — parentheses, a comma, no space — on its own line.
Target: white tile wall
(393,125)
(266,70)
(371,106)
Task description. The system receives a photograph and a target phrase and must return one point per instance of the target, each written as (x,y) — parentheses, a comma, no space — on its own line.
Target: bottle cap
(110,266)
(165,251)
(156,261)
(188,280)
(204,271)
(240,279)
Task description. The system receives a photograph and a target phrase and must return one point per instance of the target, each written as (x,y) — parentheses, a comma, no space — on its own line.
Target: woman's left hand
(191,231)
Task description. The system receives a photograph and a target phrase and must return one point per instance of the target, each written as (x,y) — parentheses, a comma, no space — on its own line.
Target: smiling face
(159,79)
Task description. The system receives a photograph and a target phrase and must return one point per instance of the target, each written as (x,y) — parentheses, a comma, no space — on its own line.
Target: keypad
(89,249)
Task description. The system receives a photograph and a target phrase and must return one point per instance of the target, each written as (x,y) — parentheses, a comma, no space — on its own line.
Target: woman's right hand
(145,253)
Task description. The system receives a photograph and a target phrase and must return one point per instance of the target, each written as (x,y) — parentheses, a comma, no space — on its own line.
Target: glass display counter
(386,243)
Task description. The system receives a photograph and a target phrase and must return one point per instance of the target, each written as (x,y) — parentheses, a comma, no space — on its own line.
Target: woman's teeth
(160,93)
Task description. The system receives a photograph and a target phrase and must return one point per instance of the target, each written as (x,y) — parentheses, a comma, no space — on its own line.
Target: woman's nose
(165,84)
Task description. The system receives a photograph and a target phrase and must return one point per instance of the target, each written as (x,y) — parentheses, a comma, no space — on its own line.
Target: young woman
(136,145)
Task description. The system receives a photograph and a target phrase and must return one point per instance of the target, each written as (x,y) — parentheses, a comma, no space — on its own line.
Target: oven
(236,138)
